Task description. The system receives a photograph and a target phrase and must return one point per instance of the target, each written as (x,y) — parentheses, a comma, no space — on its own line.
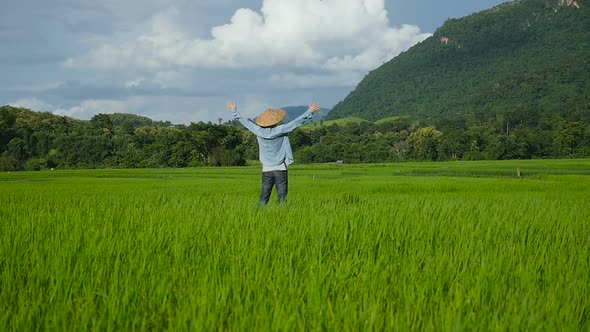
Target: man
(274,149)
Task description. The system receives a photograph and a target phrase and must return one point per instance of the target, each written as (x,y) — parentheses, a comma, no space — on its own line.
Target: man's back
(273,142)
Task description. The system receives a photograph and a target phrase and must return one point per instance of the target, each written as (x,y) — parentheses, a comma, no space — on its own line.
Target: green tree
(569,138)
(7,163)
(7,121)
(182,154)
(424,143)
(18,149)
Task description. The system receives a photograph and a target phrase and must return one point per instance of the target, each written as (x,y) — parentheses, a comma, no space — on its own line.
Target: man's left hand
(314,107)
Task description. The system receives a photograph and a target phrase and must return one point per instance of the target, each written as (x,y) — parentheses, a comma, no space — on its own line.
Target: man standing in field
(274,148)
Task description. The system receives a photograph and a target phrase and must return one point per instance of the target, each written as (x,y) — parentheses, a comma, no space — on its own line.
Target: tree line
(40,140)
(478,136)
(34,140)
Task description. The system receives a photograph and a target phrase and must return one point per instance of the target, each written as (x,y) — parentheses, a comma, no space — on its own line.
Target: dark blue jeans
(279,179)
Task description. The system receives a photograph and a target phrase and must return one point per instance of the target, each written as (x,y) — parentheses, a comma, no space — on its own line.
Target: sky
(181,60)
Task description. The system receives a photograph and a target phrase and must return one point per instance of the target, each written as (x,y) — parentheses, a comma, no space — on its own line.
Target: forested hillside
(528,55)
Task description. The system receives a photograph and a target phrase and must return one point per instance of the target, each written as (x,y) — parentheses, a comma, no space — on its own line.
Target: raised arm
(297,122)
(251,126)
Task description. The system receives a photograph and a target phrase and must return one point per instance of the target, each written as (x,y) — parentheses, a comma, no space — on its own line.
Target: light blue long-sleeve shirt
(273,142)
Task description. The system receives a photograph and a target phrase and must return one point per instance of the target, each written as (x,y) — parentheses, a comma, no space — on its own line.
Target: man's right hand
(314,107)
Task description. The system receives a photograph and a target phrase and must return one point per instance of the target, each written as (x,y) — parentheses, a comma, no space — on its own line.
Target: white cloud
(135,82)
(162,79)
(177,110)
(34,104)
(88,108)
(332,35)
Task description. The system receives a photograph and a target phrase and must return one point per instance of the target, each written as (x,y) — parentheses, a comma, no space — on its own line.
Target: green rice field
(447,246)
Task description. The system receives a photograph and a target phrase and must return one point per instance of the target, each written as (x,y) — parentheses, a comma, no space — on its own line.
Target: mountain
(295,111)
(518,56)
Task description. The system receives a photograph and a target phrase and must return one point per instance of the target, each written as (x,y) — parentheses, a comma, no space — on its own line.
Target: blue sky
(181,60)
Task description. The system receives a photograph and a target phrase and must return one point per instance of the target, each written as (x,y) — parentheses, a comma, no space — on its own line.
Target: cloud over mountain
(326,35)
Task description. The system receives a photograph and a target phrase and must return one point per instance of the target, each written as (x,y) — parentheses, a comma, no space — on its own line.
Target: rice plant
(437,246)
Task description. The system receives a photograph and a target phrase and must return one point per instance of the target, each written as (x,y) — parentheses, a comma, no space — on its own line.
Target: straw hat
(271,117)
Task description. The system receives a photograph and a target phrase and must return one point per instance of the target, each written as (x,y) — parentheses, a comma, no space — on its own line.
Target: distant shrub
(35,164)
(7,163)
